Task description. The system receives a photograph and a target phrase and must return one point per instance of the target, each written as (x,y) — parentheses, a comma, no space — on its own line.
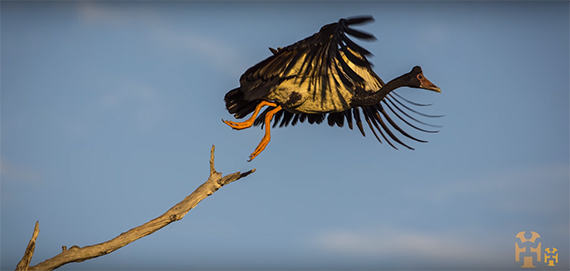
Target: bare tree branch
(177,212)
(24,264)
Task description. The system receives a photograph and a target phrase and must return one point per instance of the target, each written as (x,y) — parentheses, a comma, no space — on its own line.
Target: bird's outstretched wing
(385,117)
(327,62)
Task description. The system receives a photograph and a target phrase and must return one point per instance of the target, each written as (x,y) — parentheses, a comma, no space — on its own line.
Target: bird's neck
(365,98)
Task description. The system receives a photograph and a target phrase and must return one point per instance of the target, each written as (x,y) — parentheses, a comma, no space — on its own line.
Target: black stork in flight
(326,73)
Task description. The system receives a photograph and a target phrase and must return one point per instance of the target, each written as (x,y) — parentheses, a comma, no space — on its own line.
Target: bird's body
(307,95)
(326,73)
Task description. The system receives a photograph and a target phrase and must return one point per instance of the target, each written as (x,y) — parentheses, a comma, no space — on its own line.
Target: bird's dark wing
(387,116)
(384,119)
(327,62)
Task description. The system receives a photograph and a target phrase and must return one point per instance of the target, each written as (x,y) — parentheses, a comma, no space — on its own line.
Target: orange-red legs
(249,122)
(267,137)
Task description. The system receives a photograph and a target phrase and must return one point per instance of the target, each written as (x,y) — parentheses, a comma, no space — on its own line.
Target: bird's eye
(420,76)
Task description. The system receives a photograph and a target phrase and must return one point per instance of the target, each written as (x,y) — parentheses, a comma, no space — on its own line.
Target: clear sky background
(109,110)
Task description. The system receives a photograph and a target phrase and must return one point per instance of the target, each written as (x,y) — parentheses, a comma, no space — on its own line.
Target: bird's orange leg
(249,122)
(267,137)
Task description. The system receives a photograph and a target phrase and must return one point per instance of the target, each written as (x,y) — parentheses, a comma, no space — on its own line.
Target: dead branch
(177,212)
(25,262)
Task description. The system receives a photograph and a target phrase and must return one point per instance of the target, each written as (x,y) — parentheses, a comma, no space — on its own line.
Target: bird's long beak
(426,84)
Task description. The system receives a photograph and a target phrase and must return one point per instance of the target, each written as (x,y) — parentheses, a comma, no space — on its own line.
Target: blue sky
(108,112)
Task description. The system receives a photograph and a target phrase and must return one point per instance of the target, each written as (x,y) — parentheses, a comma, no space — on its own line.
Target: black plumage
(326,77)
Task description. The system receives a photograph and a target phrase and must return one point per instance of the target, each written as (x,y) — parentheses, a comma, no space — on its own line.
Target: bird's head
(418,80)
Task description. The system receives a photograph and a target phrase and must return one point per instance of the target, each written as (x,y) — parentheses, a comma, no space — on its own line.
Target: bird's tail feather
(237,105)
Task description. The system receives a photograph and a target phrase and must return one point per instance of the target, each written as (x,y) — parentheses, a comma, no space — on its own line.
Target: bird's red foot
(239,125)
(260,147)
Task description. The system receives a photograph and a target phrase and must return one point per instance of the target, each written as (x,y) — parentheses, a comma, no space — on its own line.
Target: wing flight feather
(327,53)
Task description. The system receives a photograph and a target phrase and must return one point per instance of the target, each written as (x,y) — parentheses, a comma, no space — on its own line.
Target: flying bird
(325,76)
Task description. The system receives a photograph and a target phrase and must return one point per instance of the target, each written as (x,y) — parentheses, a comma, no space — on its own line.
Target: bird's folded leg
(249,122)
(267,137)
